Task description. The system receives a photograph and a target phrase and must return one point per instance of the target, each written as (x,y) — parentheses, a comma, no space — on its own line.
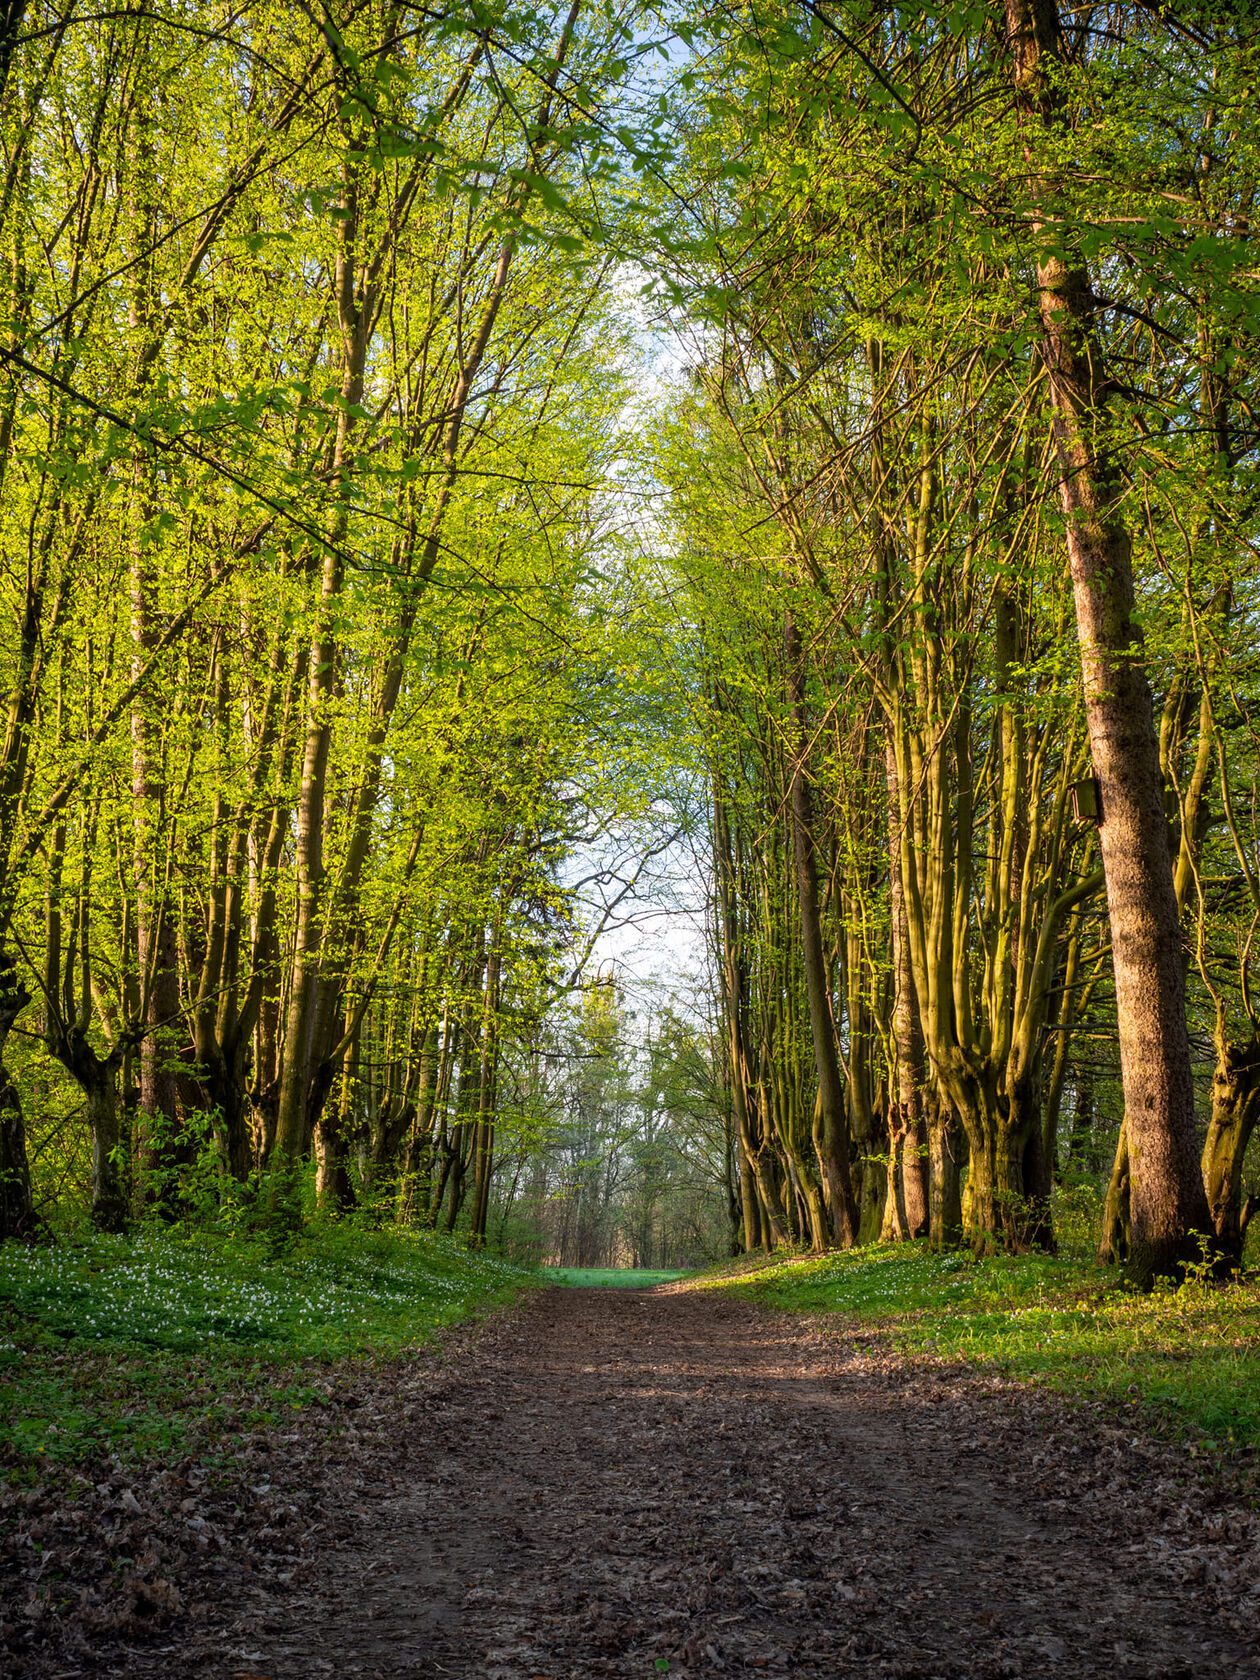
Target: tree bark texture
(1168,1208)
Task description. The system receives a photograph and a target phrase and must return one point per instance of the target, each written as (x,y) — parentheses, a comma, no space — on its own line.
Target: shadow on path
(628,1480)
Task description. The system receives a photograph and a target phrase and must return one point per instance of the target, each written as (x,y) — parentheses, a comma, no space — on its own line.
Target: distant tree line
(633,1160)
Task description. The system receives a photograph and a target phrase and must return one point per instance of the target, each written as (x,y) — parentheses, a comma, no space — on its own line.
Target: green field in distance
(586,1277)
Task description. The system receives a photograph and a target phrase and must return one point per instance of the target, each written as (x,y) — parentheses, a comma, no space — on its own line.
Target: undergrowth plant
(140,1343)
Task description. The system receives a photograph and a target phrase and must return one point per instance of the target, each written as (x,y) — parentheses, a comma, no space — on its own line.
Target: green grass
(607,1277)
(150,1344)
(1191,1354)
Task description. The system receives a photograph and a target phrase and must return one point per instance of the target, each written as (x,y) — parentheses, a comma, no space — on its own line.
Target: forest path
(622,1480)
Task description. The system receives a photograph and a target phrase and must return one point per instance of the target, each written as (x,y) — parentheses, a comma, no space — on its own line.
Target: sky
(657,943)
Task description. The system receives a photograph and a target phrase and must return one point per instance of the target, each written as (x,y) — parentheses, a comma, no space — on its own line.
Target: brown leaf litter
(601,1483)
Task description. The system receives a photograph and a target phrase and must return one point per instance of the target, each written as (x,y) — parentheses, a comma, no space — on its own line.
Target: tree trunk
(109,1184)
(1007,1180)
(1113,1246)
(334,1190)
(909,1171)
(18,1217)
(773,1219)
(1068,1009)
(232,1128)
(749,1207)
(1168,1208)
(467,1105)
(1235,1109)
(417,1163)
(97,1077)
(831,1135)
(355,313)
(487,1080)
(945,1158)
(1081,1136)
(155,928)
(766,1215)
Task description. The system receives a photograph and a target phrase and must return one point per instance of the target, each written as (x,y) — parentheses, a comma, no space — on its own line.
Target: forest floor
(607,1483)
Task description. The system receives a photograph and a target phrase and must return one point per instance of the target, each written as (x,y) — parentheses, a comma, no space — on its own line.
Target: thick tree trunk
(1168,1208)
(334,1188)
(915,1175)
(383,1157)
(946,1153)
(232,1126)
(1007,1182)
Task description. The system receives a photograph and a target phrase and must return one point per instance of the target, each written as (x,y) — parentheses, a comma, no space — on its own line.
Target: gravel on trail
(613,1483)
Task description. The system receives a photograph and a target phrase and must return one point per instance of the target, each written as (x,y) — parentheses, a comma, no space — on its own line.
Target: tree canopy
(456,460)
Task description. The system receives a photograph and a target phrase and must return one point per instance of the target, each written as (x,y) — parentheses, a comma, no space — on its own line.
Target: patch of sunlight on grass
(607,1277)
(1193,1352)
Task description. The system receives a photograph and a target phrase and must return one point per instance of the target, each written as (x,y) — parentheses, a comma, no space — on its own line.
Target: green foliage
(401,541)
(143,1344)
(320,556)
(1189,1355)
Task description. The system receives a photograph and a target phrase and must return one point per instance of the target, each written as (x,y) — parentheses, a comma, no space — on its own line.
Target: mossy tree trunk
(1235,1109)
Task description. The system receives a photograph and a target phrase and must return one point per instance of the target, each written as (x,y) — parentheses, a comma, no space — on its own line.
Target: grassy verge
(1192,1354)
(607,1277)
(148,1345)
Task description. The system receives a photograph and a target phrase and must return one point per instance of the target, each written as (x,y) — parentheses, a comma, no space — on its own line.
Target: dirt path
(621,1480)
(641,1477)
